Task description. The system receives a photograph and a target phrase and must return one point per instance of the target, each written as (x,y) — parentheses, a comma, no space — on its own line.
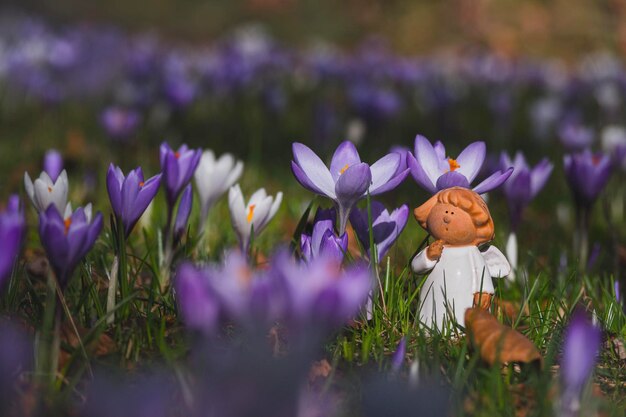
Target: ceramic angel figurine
(460,273)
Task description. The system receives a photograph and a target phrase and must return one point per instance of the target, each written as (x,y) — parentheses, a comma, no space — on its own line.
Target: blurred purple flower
(581,345)
(587,174)
(16,351)
(386,226)
(178,168)
(398,356)
(523,184)
(119,123)
(348,179)
(574,135)
(130,195)
(184,210)
(295,294)
(228,291)
(618,294)
(323,241)
(320,292)
(53,164)
(150,395)
(12,226)
(433,171)
(67,239)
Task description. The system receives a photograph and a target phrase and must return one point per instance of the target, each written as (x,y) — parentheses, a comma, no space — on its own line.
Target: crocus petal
(383,170)
(114,186)
(314,169)
(345,156)
(471,159)
(427,158)
(302,178)
(419,175)
(352,184)
(539,176)
(493,181)
(184,209)
(452,179)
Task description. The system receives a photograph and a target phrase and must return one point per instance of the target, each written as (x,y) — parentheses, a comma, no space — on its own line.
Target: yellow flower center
(454,165)
(67,222)
(342,170)
(251,212)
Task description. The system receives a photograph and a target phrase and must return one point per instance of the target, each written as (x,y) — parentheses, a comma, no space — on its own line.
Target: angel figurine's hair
(468,201)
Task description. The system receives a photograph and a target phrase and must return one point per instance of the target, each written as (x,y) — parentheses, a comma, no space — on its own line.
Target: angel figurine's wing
(496,262)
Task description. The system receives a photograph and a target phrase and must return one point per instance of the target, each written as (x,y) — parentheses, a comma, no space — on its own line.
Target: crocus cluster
(347,180)
(12,227)
(297,294)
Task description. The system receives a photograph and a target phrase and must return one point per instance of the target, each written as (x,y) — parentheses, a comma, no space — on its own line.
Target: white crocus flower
(213,177)
(256,214)
(44,192)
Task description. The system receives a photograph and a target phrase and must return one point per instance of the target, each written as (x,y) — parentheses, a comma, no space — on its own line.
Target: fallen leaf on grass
(101,346)
(509,309)
(496,342)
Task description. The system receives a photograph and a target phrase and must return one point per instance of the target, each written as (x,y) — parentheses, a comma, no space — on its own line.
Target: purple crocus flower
(323,241)
(184,209)
(587,174)
(433,171)
(348,179)
(119,123)
(580,350)
(12,227)
(398,356)
(523,184)
(386,226)
(130,195)
(178,168)
(67,239)
(320,291)
(228,291)
(53,164)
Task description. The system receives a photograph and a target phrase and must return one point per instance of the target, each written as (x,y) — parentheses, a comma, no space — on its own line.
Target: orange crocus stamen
(454,165)
(595,160)
(342,170)
(49,189)
(177,155)
(67,222)
(251,212)
(141,184)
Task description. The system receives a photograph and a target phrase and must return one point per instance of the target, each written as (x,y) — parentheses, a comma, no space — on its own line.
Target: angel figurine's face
(451,224)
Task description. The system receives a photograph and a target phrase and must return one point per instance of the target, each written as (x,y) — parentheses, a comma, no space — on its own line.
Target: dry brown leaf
(102,346)
(496,342)
(509,309)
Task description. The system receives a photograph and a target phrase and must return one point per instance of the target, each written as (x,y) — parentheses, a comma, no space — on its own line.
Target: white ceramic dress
(454,278)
